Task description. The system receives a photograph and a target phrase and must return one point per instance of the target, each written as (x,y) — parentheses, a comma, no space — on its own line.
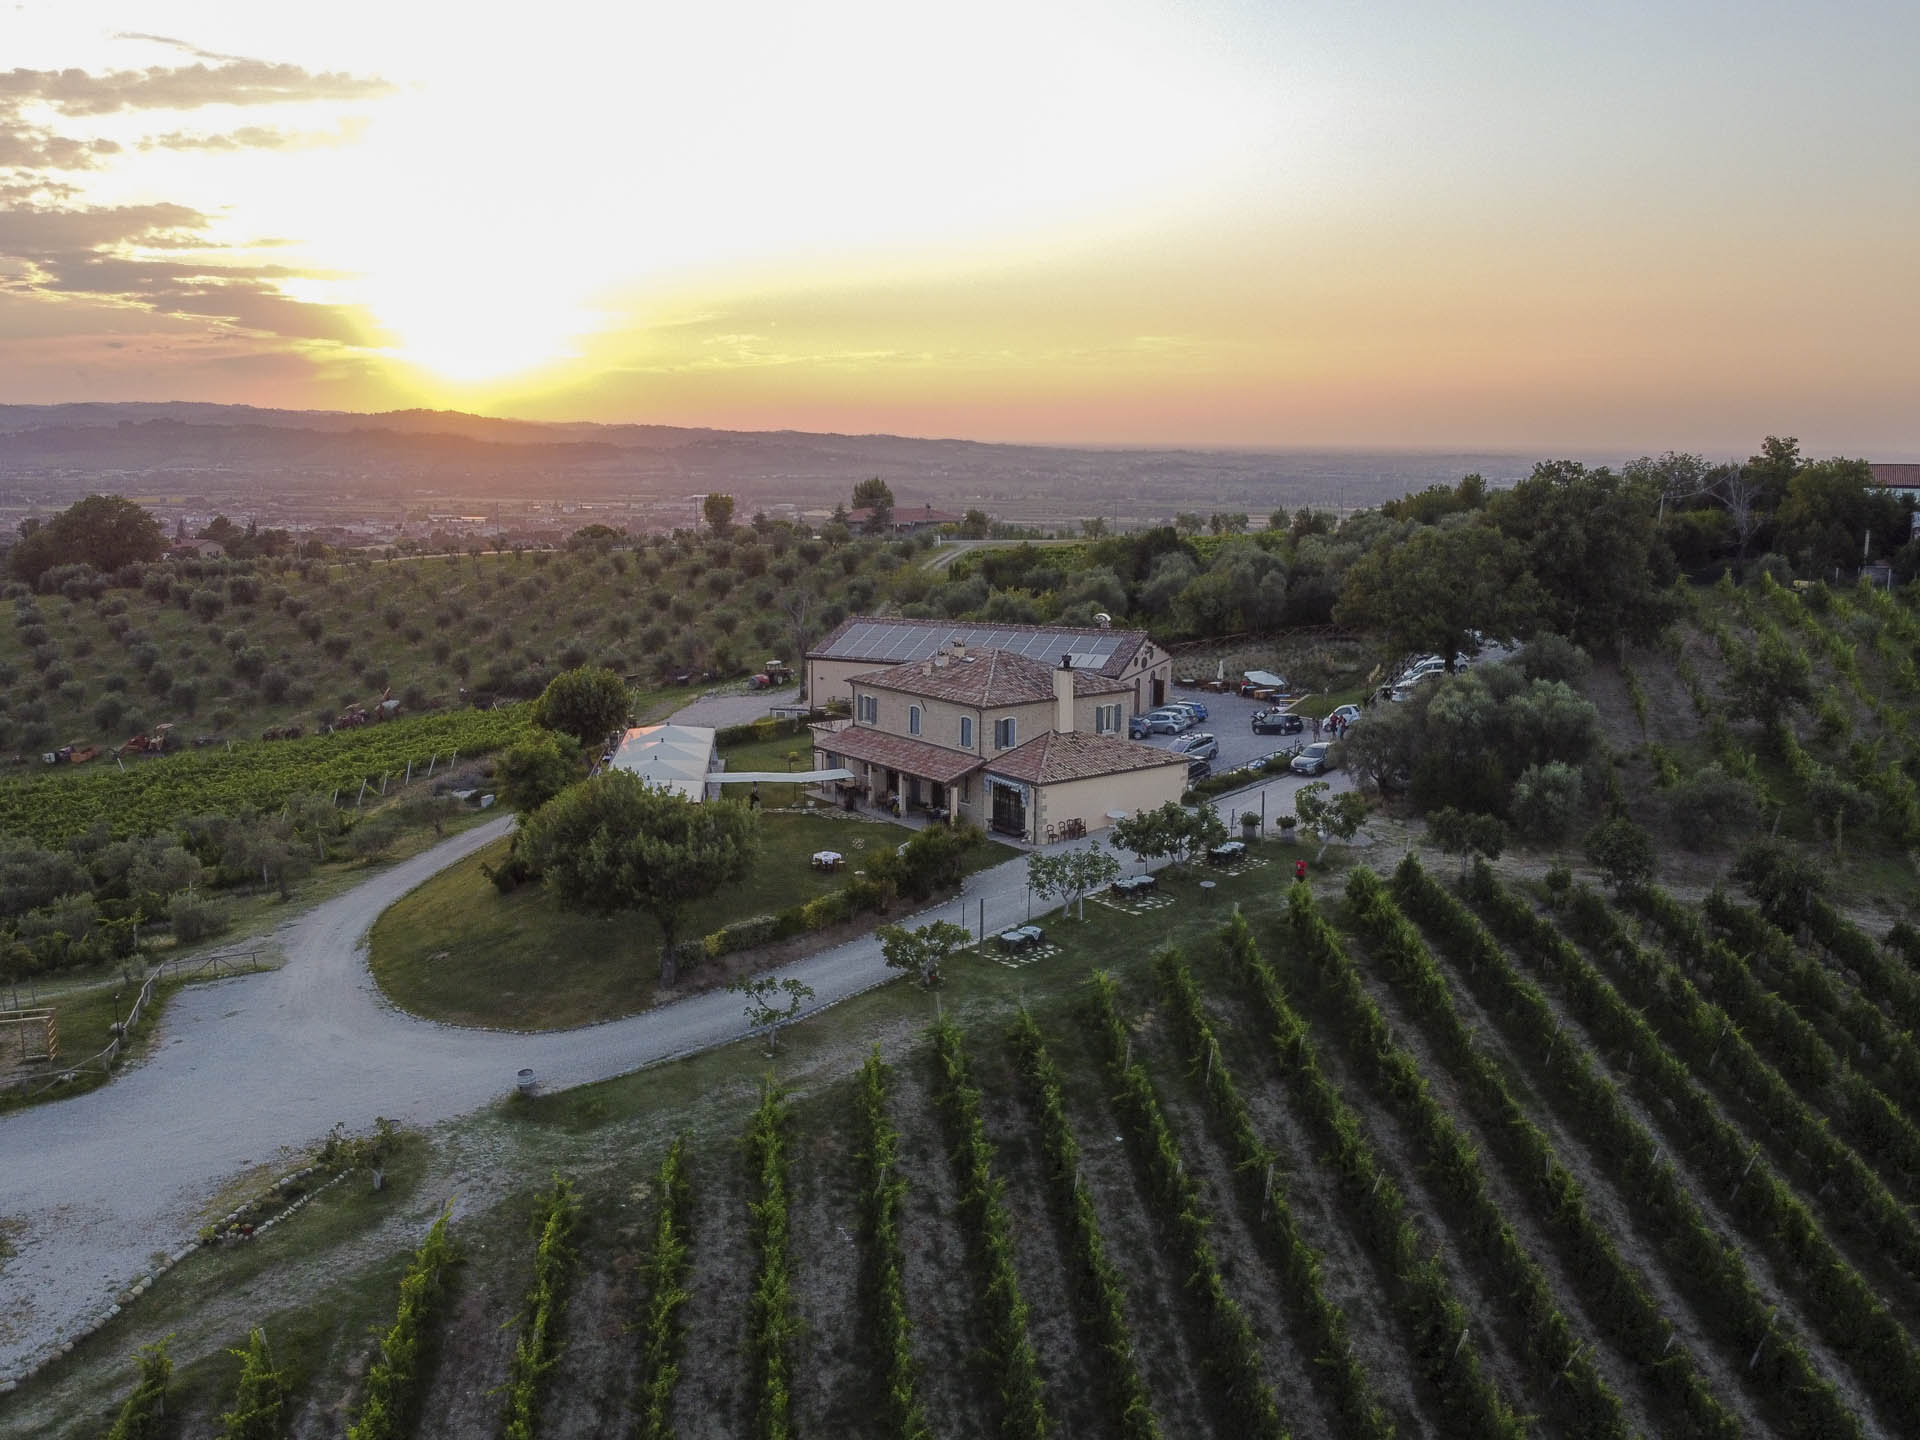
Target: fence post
(361,796)
(409,779)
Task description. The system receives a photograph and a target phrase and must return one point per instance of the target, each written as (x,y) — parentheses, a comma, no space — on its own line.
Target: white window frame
(913,720)
(966,732)
(868,707)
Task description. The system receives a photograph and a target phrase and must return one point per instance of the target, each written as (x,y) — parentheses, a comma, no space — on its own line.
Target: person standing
(1300,872)
(1316,727)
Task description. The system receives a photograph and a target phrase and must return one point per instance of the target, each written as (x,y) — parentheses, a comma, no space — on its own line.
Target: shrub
(193,918)
(1704,806)
(1554,657)
(1622,852)
(1546,801)
(740,935)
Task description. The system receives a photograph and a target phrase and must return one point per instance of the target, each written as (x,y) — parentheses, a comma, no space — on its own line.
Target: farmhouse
(1000,740)
(907,521)
(1902,480)
(863,642)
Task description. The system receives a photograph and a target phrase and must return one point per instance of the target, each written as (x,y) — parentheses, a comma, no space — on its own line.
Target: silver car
(1201,746)
(1168,722)
(1316,759)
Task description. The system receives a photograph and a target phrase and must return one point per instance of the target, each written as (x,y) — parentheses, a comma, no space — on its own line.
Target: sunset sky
(1632,225)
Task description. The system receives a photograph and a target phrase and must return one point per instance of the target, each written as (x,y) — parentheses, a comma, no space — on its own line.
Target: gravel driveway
(242,1068)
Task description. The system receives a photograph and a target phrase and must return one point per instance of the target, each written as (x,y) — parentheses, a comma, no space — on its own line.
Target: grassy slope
(457,949)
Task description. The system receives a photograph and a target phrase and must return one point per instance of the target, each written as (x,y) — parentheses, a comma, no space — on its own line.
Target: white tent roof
(672,757)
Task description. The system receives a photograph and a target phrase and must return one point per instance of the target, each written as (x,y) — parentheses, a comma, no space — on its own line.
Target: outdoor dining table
(1021,936)
(1227,853)
(1135,884)
(828,859)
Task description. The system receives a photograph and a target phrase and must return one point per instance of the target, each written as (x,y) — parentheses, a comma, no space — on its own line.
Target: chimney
(1063,696)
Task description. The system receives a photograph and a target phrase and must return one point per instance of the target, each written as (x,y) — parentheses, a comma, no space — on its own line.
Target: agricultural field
(1395,1153)
(232,649)
(1558,1145)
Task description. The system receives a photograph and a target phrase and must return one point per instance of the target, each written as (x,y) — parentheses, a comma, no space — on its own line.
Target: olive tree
(1328,820)
(1070,874)
(587,703)
(615,843)
(923,950)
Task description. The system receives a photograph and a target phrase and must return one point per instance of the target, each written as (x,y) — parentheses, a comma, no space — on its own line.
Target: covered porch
(896,775)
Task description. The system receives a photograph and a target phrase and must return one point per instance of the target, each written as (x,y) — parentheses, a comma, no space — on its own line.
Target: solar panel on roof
(902,644)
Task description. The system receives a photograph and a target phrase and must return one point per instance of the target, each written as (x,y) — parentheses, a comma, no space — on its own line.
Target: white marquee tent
(680,758)
(671,757)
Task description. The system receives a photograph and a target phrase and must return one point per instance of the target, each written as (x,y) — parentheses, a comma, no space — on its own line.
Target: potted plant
(1249,827)
(1287,822)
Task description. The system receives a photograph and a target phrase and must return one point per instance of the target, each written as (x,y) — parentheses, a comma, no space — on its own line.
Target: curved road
(241,1068)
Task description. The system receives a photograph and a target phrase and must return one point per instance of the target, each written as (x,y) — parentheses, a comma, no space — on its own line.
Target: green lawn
(458,950)
(772,755)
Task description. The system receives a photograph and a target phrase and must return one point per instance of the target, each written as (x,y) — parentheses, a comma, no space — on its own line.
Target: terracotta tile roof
(892,640)
(907,516)
(989,678)
(1901,476)
(898,752)
(1076,755)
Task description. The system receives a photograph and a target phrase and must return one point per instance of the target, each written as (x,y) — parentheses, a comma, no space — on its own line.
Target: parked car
(1137,727)
(1168,722)
(1316,759)
(1277,722)
(1348,713)
(1197,746)
(1199,710)
(1199,770)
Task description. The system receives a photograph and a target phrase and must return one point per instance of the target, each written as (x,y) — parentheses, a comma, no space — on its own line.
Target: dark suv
(1277,722)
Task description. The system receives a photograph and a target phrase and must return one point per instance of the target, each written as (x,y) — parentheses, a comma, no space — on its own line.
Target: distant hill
(57,449)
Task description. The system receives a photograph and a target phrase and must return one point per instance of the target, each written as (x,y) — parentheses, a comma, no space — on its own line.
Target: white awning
(1265,679)
(777,777)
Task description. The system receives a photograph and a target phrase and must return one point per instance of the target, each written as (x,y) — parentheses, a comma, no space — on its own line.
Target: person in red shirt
(1300,870)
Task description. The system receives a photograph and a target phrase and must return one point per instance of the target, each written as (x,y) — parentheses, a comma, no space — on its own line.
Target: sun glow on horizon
(1178,221)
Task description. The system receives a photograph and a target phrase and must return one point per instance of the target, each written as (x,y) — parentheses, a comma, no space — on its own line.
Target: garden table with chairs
(828,860)
(1229,853)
